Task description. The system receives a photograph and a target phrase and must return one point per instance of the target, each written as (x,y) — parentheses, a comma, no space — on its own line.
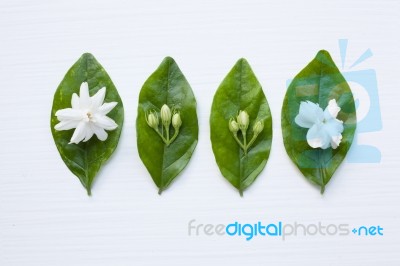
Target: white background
(46,218)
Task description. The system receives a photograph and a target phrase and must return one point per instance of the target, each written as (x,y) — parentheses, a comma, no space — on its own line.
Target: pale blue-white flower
(87,115)
(325,130)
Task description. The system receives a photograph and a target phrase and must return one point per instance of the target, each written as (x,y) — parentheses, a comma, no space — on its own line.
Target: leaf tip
(169,59)
(87,55)
(323,52)
(323,55)
(242,60)
(89,191)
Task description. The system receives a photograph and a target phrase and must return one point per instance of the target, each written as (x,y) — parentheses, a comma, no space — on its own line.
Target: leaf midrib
(165,146)
(241,174)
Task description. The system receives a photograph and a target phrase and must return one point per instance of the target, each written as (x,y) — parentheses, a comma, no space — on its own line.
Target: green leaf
(240,90)
(86,158)
(167,85)
(319,82)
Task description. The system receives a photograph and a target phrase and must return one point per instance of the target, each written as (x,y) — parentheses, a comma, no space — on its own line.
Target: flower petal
(335,141)
(98,98)
(100,133)
(75,101)
(89,133)
(309,114)
(79,133)
(66,125)
(334,128)
(104,122)
(84,98)
(107,107)
(69,114)
(332,110)
(317,137)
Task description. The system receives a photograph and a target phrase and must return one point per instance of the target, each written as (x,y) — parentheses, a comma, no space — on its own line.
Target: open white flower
(87,115)
(324,129)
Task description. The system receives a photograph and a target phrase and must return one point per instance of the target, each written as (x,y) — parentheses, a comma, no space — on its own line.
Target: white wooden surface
(46,217)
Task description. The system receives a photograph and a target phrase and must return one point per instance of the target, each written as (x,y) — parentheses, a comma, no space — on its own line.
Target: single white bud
(233,126)
(176,120)
(243,120)
(258,127)
(152,120)
(165,115)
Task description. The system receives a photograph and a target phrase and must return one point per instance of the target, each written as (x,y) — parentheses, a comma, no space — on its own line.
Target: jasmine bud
(165,115)
(152,120)
(243,120)
(258,127)
(176,121)
(233,126)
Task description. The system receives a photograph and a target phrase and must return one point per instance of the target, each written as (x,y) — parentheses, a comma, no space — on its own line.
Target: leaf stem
(238,141)
(89,191)
(321,166)
(244,142)
(167,133)
(174,136)
(252,141)
(161,136)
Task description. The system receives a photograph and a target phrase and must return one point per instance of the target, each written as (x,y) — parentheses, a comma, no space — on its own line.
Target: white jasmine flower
(324,129)
(87,115)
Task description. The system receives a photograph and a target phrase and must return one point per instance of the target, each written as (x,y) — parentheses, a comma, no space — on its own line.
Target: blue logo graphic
(251,230)
(363,83)
(368,230)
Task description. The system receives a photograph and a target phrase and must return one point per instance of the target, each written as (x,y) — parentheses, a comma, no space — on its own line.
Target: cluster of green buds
(167,118)
(242,123)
